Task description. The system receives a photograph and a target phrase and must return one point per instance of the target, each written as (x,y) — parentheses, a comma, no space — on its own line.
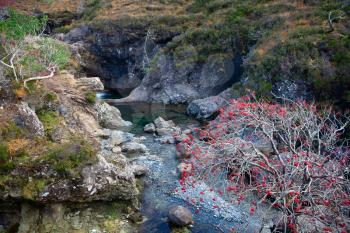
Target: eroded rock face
(167,83)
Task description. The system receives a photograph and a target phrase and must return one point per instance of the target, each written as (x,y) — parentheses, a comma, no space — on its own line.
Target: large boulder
(180,216)
(110,117)
(208,107)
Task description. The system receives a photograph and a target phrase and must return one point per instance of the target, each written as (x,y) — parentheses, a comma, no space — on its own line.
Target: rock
(180,216)
(165,132)
(133,148)
(90,84)
(118,137)
(117,150)
(160,123)
(62,110)
(28,119)
(182,150)
(207,107)
(291,89)
(139,170)
(77,33)
(176,80)
(110,117)
(185,167)
(166,140)
(181,138)
(149,128)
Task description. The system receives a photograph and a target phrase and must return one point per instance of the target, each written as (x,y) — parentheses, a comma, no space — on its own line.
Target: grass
(90,97)
(50,120)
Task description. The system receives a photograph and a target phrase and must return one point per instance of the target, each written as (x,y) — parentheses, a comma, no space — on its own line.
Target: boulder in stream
(180,216)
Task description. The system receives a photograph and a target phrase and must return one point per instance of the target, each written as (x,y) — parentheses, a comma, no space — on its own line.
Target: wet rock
(149,128)
(90,84)
(110,117)
(180,216)
(28,119)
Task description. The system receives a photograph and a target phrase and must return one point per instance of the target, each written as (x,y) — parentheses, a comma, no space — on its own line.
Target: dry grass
(111,9)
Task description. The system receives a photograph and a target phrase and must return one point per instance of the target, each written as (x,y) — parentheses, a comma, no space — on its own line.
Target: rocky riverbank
(61,167)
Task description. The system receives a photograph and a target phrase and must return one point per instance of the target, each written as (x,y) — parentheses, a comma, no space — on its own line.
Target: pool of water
(158,196)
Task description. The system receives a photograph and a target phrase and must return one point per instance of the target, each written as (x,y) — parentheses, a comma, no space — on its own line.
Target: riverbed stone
(134,147)
(149,128)
(180,216)
(182,150)
(161,123)
(110,117)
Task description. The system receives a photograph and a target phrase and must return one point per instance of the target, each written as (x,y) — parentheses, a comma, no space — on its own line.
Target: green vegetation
(50,120)
(18,26)
(90,97)
(68,157)
(27,52)
(40,54)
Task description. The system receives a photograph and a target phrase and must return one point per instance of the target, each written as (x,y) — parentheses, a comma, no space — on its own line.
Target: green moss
(50,120)
(11,131)
(33,188)
(68,158)
(90,97)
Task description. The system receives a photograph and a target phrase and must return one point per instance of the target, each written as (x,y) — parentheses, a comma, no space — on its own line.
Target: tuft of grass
(50,120)
(90,97)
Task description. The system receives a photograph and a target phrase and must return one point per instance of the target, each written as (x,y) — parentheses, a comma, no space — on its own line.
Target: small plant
(90,97)
(50,120)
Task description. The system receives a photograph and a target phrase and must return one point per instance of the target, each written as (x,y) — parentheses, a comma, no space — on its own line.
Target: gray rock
(292,89)
(27,118)
(139,170)
(118,137)
(182,150)
(62,110)
(134,148)
(161,123)
(171,83)
(149,128)
(77,33)
(207,107)
(110,117)
(180,216)
(90,84)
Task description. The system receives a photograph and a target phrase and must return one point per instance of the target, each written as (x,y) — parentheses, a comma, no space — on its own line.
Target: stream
(162,179)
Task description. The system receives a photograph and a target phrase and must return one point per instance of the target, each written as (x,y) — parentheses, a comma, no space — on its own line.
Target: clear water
(158,195)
